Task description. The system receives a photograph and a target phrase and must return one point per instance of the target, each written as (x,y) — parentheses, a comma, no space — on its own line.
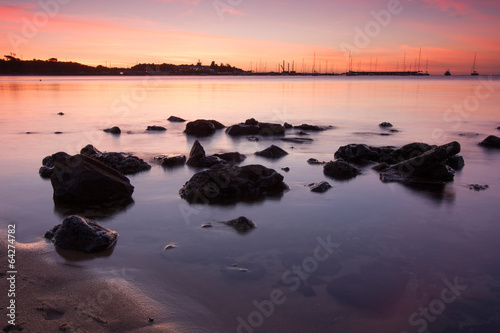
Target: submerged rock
(297,140)
(155,128)
(228,183)
(314,161)
(357,153)
(125,163)
(241,224)
(477,187)
(113,130)
(385,124)
(198,158)
(81,234)
(175,119)
(428,167)
(202,127)
(320,187)
(232,157)
(491,141)
(81,179)
(340,170)
(272,152)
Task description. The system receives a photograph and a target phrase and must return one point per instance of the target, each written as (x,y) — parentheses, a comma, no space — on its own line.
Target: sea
(365,256)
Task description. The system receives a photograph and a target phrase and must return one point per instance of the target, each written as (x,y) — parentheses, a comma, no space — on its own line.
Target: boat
(447,73)
(473,71)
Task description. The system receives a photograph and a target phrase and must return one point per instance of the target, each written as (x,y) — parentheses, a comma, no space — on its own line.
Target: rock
(242,129)
(81,179)
(394,131)
(253,127)
(297,140)
(207,225)
(155,128)
(287,125)
(286,169)
(385,124)
(320,187)
(202,127)
(410,150)
(125,163)
(381,166)
(455,162)
(175,119)
(228,183)
(58,132)
(113,130)
(45,171)
(173,160)
(340,170)
(491,141)
(477,187)
(196,154)
(314,161)
(425,168)
(241,224)
(302,133)
(232,157)
(60,113)
(272,152)
(498,128)
(308,127)
(358,153)
(81,234)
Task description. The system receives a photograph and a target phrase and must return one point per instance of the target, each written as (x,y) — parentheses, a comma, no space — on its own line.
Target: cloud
(455,7)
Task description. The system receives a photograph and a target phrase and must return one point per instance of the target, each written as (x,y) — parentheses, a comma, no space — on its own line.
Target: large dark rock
(491,141)
(340,170)
(357,153)
(254,127)
(428,167)
(81,234)
(81,179)
(410,150)
(175,119)
(241,224)
(113,130)
(228,183)
(48,163)
(202,127)
(125,163)
(272,152)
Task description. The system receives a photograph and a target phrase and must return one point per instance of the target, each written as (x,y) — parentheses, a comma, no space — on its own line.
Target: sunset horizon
(382,35)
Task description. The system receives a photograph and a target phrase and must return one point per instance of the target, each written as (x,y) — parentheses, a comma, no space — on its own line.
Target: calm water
(397,249)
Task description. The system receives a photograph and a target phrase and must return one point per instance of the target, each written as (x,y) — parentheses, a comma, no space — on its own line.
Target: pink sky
(258,33)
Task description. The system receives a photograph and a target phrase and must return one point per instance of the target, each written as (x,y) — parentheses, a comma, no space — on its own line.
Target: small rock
(286,169)
(202,127)
(477,187)
(272,152)
(81,234)
(308,127)
(287,125)
(320,187)
(340,170)
(251,121)
(385,124)
(491,141)
(241,224)
(58,132)
(175,119)
(207,225)
(113,130)
(196,154)
(302,133)
(232,157)
(314,161)
(151,319)
(61,113)
(156,128)
(173,160)
(498,128)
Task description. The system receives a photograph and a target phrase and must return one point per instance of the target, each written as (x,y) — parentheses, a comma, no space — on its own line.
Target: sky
(259,35)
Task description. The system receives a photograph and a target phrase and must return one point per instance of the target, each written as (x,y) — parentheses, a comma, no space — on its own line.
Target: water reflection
(102,212)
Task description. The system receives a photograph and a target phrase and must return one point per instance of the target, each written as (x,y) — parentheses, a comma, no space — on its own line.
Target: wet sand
(52,296)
